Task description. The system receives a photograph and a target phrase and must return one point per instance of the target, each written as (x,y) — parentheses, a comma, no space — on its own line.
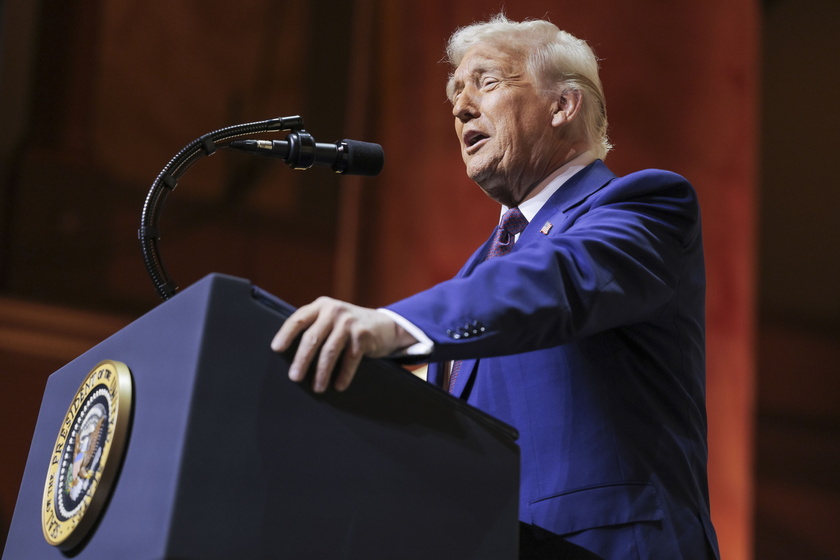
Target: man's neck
(548,186)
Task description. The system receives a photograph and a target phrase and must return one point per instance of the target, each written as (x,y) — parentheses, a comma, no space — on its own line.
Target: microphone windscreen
(364,158)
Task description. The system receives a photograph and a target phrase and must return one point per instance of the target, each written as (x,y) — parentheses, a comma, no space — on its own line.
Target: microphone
(300,151)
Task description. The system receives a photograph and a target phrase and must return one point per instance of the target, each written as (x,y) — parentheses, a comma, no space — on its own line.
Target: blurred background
(737,95)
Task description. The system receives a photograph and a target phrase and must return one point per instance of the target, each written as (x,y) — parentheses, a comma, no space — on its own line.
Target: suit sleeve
(615,258)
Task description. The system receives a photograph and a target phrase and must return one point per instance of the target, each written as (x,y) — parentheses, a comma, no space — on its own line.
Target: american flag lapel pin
(546,228)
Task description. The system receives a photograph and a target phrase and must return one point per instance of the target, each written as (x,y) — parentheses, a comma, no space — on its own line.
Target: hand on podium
(338,334)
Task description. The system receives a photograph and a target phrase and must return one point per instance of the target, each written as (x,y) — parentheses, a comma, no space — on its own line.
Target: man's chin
(498,192)
(484,176)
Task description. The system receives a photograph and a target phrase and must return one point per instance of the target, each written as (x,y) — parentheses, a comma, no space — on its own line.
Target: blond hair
(557,59)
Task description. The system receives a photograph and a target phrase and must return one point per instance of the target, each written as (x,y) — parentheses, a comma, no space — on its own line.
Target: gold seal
(87,454)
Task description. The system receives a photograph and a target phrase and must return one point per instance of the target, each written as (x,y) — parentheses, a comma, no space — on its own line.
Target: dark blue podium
(226,458)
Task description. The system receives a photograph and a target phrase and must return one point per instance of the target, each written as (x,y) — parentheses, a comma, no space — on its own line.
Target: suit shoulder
(654,192)
(652,182)
(653,177)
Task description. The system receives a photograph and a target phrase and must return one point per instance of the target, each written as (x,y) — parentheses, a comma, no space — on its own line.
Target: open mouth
(473,138)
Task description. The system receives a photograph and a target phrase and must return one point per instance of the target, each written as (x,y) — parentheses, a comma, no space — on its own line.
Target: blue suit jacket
(590,335)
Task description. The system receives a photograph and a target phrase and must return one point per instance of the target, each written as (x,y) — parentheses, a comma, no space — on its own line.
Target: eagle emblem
(87,449)
(86,455)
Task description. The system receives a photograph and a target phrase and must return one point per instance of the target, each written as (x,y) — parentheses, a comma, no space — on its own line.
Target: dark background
(739,96)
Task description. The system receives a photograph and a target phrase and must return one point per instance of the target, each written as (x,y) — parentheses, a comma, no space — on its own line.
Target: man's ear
(566,108)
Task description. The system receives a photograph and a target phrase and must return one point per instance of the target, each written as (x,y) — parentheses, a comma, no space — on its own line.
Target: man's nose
(465,107)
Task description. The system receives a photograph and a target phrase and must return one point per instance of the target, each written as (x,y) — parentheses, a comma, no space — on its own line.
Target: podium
(225,458)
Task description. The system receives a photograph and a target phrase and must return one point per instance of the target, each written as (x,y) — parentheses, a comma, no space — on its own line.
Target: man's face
(503,122)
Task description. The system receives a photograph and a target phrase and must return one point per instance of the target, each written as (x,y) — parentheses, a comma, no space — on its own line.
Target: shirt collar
(550,184)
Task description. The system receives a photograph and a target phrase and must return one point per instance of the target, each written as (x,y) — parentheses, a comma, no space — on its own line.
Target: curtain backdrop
(114,88)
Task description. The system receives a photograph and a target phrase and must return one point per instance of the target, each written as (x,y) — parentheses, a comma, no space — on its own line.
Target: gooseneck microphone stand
(167,180)
(299,150)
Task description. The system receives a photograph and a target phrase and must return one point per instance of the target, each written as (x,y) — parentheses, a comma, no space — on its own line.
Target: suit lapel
(577,189)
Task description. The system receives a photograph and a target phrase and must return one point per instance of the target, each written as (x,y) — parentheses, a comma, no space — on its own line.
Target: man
(584,330)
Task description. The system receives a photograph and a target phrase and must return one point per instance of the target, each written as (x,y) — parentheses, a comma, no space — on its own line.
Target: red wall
(118,87)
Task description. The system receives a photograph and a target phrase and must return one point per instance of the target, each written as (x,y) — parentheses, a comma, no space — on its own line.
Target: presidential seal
(87,454)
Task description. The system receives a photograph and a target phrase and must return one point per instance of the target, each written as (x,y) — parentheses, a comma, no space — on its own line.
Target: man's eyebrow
(474,73)
(457,79)
(483,67)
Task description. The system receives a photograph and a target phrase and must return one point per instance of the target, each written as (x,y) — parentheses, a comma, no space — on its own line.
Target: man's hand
(332,331)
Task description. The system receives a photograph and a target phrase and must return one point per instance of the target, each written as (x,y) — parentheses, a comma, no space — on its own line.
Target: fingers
(297,322)
(346,342)
(330,352)
(301,321)
(308,349)
(326,328)
(335,336)
(349,365)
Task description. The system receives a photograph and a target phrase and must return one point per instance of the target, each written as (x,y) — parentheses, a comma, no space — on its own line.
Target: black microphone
(300,151)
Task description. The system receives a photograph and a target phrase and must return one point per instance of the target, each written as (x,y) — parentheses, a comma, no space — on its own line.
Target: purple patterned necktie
(513,222)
